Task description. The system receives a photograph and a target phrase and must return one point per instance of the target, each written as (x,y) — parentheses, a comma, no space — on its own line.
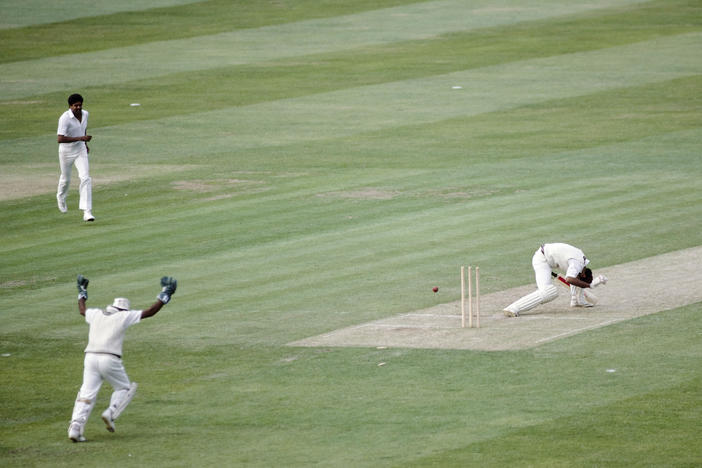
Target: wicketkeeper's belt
(109,354)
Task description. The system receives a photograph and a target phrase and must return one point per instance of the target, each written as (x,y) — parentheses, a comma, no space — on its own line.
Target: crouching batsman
(564,258)
(103,355)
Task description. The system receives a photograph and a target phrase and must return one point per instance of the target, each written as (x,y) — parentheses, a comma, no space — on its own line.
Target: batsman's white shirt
(565,258)
(69,126)
(107,329)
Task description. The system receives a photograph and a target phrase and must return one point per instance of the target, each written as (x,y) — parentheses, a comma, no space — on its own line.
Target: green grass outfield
(303,166)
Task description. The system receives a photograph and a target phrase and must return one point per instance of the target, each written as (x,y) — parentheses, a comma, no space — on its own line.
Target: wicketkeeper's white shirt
(107,329)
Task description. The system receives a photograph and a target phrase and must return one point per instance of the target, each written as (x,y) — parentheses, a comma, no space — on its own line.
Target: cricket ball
(435,289)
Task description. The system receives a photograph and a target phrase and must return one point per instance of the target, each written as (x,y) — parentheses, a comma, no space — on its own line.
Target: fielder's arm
(67,139)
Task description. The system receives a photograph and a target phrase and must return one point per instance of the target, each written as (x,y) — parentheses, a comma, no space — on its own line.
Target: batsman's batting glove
(168,288)
(82,283)
(601,279)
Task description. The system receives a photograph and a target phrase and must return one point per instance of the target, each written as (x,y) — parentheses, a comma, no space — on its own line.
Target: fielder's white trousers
(97,368)
(80,160)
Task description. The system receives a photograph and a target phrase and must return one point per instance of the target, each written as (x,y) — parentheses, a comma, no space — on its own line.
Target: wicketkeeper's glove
(82,283)
(168,288)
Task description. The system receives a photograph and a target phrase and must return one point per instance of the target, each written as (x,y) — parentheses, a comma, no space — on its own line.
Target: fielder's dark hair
(587,275)
(73,98)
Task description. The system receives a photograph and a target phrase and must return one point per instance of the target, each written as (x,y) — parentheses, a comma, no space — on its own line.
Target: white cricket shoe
(61,204)
(88,216)
(74,432)
(509,313)
(109,422)
(579,300)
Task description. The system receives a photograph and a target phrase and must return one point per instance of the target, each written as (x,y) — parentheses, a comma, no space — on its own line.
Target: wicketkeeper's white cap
(121,303)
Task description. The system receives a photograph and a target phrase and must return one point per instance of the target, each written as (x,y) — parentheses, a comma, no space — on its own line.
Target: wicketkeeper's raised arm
(168,288)
(82,284)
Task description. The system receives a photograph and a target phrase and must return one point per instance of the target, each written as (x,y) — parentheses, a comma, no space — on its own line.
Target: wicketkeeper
(569,260)
(103,355)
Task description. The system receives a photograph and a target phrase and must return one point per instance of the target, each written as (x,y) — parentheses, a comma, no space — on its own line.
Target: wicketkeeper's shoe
(61,204)
(88,216)
(509,313)
(109,422)
(74,432)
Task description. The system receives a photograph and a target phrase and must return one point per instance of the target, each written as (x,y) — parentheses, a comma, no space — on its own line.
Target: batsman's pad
(548,294)
(528,302)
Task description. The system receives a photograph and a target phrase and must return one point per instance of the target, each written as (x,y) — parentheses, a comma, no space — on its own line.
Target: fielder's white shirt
(107,329)
(69,126)
(565,258)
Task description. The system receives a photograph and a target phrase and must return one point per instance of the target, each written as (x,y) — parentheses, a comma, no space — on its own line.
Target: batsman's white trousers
(546,290)
(66,162)
(97,368)
(542,270)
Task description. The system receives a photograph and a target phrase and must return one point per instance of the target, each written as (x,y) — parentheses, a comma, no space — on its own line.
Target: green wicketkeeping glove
(82,283)
(168,288)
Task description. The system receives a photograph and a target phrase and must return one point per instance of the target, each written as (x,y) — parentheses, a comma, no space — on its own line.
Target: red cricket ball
(435,289)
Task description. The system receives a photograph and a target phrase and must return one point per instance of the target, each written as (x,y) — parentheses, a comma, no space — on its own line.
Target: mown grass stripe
(608,196)
(20,13)
(416,21)
(393,105)
(316,74)
(265,206)
(441,224)
(149,21)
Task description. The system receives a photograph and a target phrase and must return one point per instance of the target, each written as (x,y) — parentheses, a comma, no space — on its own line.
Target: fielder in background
(567,259)
(103,355)
(73,149)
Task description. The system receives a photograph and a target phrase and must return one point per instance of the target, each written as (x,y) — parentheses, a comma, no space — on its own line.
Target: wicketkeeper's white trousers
(66,162)
(97,368)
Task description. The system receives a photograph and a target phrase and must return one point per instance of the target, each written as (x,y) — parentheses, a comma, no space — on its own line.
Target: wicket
(470,297)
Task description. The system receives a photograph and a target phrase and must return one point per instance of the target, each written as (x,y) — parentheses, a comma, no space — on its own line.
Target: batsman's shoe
(509,313)
(74,432)
(61,204)
(579,300)
(88,216)
(109,422)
